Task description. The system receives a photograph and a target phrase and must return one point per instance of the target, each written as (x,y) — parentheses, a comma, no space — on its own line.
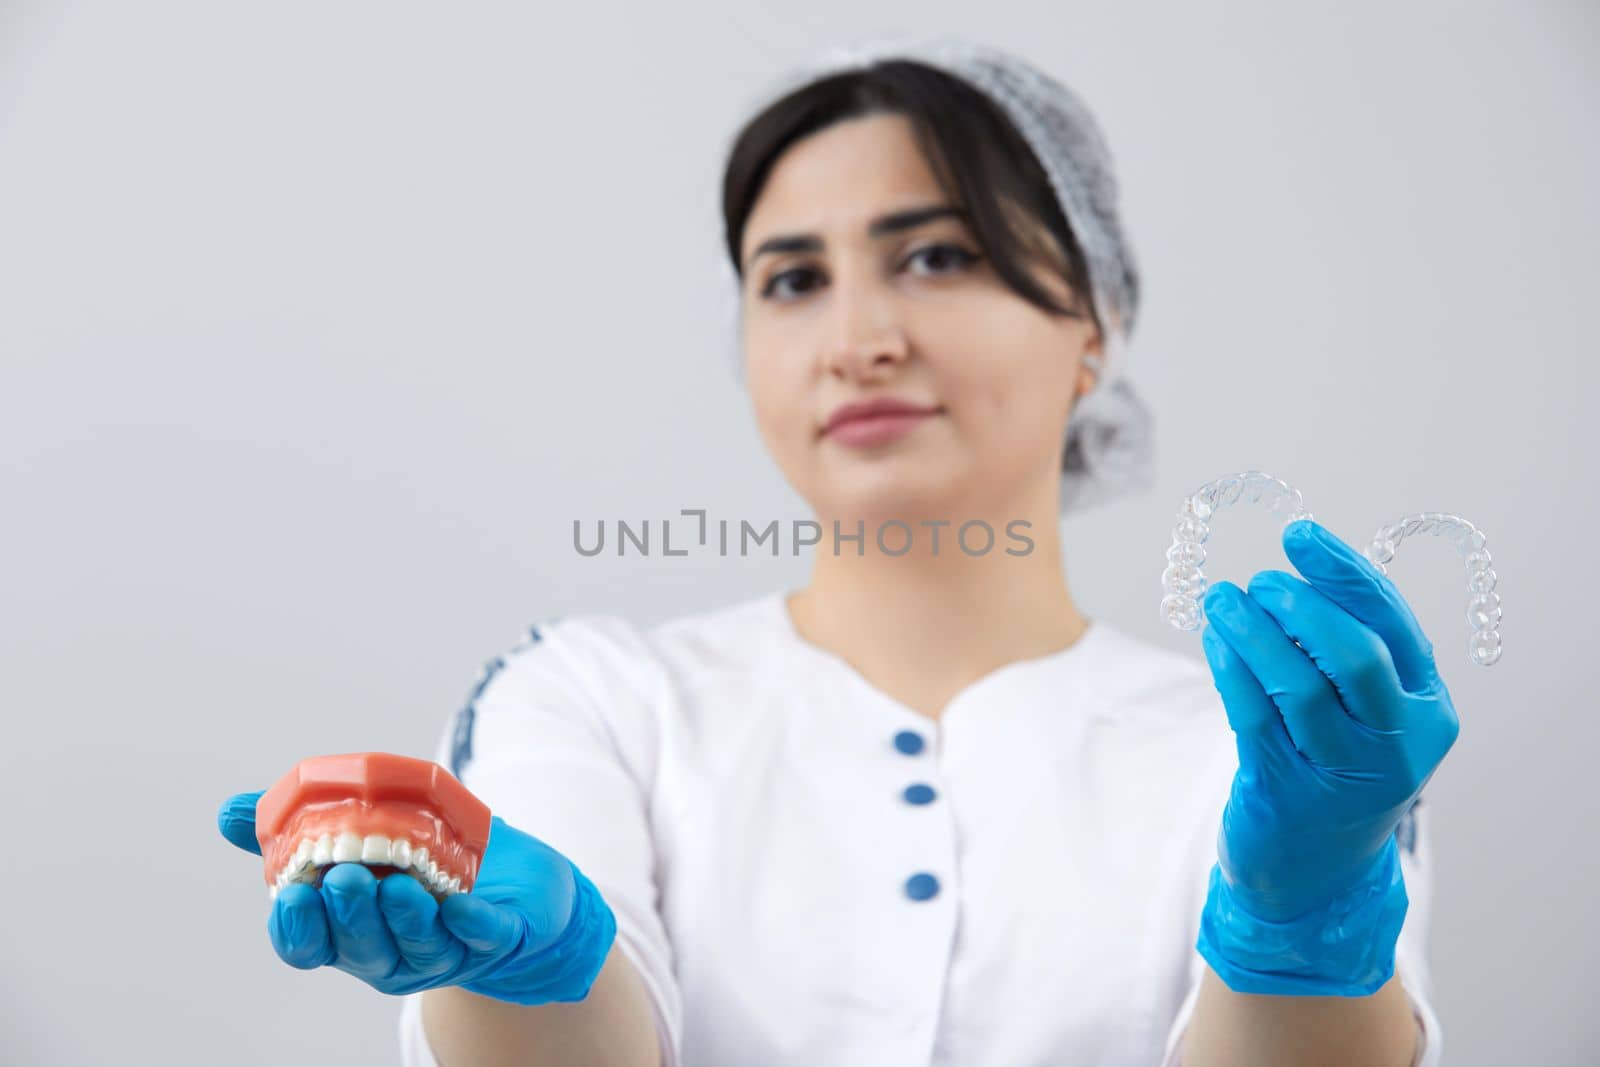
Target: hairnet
(1109,448)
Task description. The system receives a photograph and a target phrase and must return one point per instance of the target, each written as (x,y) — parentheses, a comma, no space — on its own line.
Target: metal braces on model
(1183,582)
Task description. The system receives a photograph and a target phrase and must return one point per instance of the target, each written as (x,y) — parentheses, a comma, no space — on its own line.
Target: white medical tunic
(806,871)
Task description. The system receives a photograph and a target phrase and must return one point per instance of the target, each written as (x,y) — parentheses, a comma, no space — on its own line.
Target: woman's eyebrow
(895,222)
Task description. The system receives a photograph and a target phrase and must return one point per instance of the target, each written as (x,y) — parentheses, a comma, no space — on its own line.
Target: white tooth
(322,851)
(282,879)
(375,849)
(419,859)
(401,852)
(347,848)
(272,893)
(302,855)
(455,883)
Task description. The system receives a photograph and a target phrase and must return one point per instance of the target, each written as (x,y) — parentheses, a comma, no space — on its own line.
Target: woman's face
(912,311)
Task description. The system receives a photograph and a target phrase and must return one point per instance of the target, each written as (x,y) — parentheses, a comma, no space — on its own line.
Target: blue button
(919,794)
(921,886)
(908,741)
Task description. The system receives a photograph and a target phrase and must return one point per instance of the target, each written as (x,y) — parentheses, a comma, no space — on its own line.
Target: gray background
(321,323)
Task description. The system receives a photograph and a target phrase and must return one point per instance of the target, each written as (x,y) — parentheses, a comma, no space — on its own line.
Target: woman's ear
(1086,380)
(1089,368)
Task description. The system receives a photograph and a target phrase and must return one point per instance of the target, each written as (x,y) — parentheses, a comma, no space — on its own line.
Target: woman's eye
(777,279)
(943,258)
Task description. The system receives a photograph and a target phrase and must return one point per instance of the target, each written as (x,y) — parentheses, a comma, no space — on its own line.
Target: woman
(925,810)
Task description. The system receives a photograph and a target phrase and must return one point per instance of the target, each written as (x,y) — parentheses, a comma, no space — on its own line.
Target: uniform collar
(1075,672)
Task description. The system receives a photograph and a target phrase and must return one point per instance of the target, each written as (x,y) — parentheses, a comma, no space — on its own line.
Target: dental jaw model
(395,814)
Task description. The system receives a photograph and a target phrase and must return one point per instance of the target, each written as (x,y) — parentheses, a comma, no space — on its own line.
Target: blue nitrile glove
(533,929)
(1340,718)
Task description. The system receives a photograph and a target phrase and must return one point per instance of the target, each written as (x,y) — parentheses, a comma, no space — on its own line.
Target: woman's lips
(877,429)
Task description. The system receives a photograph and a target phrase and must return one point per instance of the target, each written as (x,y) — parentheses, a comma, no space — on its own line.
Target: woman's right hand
(533,929)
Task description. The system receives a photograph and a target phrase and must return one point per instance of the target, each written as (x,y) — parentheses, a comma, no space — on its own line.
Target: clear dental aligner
(1483,610)
(1184,583)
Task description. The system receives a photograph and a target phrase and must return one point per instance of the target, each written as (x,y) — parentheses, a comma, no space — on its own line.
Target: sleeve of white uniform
(1410,952)
(560,738)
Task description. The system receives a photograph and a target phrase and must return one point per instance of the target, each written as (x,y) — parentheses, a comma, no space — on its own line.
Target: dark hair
(975,152)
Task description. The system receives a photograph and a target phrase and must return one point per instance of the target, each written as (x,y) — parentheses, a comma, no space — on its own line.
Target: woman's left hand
(1340,719)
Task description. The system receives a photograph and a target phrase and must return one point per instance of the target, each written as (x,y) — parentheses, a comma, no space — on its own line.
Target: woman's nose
(865,333)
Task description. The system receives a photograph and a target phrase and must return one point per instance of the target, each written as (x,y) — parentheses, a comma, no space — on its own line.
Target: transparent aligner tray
(1184,584)
(1483,609)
